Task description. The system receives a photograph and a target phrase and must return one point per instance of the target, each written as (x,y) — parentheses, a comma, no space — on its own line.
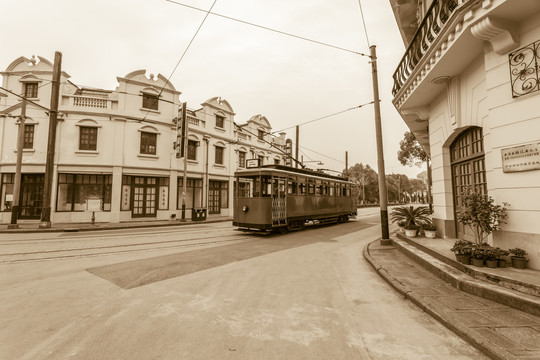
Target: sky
(290,81)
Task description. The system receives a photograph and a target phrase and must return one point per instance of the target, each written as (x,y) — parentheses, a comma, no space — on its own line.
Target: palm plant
(410,215)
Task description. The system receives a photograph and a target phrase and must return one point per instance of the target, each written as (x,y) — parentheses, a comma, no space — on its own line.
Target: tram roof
(288,169)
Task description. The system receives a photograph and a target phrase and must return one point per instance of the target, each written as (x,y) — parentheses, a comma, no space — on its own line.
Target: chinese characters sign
(521,158)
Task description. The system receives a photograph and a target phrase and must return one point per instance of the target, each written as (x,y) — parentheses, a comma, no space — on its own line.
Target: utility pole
(429,200)
(385,240)
(184,150)
(296,145)
(49,164)
(17,180)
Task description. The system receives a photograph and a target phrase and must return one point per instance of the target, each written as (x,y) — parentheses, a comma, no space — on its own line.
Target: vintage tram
(282,198)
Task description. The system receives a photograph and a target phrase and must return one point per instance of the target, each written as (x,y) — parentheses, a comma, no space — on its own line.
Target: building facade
(118,147)
(468,87)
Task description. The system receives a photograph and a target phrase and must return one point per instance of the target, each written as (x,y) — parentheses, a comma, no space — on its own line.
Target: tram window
(266,186)
(245,187)
(318,188)
(302,186)
(344,188)
(291,186)
(311,187)
(332,185)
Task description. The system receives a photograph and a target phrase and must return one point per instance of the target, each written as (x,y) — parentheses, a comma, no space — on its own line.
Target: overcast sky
(288,80)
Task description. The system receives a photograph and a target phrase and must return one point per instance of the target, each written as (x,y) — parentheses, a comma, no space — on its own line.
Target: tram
(282,198)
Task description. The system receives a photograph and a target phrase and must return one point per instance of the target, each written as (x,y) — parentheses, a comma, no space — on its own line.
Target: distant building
(119,146)
(468,87)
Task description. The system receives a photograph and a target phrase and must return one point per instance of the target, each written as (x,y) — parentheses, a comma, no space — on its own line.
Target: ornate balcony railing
(193,121)
(90,102)
(436,17)
(525,69)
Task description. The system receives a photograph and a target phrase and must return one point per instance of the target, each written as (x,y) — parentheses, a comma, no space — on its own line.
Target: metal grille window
(88,138)
(468,167)
(148,143)
(31,90)
(525,69)
(28,136)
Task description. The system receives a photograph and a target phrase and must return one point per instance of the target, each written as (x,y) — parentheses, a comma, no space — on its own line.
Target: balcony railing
(90,102)
(525,69)
(193,121)
(436,17)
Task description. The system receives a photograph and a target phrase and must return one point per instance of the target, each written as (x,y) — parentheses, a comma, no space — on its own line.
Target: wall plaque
(521,158)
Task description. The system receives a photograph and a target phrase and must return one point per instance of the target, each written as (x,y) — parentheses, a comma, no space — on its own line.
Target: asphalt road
(208,292)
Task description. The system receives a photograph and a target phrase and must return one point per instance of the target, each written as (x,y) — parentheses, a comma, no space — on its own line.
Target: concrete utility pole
(184,143)
(385,240)
(53,120)
(17,180)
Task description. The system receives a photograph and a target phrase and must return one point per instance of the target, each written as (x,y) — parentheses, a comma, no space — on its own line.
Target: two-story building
(468,87)
(119,146)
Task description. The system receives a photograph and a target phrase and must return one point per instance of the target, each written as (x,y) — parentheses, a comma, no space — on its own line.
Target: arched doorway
(468,170)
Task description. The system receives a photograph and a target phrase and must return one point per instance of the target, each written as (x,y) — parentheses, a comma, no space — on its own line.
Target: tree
(366,186)
(410,152)
(397,185)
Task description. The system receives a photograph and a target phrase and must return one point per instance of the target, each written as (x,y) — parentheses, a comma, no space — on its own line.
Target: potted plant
(430,230)
(479,212)
(401,225)
(501,257)
(411,230)
(462,249)
(410,215)
(519,261)
(477,255)
(491,257)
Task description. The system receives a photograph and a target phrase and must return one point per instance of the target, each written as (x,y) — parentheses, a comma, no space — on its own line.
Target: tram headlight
(245,208)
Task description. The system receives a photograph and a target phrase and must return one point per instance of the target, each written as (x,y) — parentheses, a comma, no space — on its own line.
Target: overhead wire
(364,22)
(269,29)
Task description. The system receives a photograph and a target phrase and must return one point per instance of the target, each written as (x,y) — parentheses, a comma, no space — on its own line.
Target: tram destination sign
(521,158)
(252,163)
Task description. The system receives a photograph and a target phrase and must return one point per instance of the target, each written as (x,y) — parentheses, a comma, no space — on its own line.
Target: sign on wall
(252,163)
(521,158)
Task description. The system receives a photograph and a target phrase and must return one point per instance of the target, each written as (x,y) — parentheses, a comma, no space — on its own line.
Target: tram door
(279,201)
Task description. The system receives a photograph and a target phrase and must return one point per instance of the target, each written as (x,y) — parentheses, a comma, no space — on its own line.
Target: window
(28,137)
(242,159)
(148,143)
(150,101)
(75,189)
(219,155)
(260,134)
(31,90)
(192,150)
(261,160)
(88,138)
(193,193)
(276,161)
(220,121)
(7,192)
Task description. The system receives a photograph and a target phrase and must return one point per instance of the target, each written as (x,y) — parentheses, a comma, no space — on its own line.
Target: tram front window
(246,187)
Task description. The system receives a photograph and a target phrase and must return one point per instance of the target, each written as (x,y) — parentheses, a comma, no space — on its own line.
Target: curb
(490,349)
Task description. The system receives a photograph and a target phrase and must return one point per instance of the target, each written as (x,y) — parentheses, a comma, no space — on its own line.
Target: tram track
(122,248)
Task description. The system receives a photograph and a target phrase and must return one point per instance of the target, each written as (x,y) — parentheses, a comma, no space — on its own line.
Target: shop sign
(521,158)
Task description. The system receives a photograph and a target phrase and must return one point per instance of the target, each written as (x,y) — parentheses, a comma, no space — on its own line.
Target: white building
(119,146)
(468,87)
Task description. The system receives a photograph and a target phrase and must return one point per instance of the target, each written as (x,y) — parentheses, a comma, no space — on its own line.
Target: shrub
(410,215)
(517,252)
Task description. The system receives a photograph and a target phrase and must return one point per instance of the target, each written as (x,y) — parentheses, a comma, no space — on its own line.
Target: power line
(324,117)
(184,53)
(22,97)
(270,29)
(364,22)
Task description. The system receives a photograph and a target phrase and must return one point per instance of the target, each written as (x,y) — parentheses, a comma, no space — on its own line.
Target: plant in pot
(477,255)
(479,212)
(401,225)
(491,257)
(430,230)
(411,230)
(411,216)
(519,261)
(501,257)
(462,249)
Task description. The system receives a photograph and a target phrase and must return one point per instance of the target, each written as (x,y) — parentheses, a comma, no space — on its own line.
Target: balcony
(99,104)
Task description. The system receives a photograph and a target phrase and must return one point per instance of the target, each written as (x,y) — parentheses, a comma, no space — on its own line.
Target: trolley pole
(385,239)
(296,145)
(49,164)
(17,180)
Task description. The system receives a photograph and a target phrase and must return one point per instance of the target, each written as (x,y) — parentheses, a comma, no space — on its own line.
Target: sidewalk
(33,226)
(481,305)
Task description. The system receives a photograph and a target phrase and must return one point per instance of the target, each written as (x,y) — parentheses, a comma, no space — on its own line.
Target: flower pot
(465,259)
(502,263)
(519,262)
(491,263)
(430,234)
(410,233)
(477,262)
